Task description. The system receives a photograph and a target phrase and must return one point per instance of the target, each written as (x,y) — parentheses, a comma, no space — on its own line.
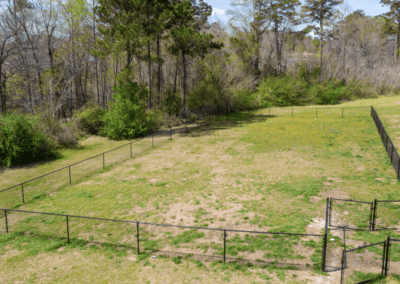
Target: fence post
(67,229)
(103,162)
(387,255)
(137,228)
(224,244)
(70,175)
(391,155)
(398,169)
(23,197)
(373,216)
(131,150)
(330,210)
(5,214)
(384,256)
(387,138)
(342,270)
(326,235)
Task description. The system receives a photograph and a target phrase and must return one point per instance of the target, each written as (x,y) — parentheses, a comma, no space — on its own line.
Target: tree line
(56,56)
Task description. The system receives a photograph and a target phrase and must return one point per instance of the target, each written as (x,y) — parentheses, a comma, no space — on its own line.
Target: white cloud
(217,11)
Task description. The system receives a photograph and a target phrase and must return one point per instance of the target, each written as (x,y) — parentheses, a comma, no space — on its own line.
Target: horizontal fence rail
(289,250)
(21,193)
(323,112)
(387,142)
(363,215)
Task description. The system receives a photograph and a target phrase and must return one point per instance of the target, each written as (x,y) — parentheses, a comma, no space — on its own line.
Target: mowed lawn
(245,171)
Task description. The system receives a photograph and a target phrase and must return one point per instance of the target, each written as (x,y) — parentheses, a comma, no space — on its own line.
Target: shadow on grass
(44,242)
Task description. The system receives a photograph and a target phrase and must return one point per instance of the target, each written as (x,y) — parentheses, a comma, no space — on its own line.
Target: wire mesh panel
(290,251)
(103,231)
(11,198)
(387,215)
(42,225)
(86,168)
(363,263)
(39,188)
(173,240)
(117,155)
(334,248)
(330,112)
(350,213)
(387,143)
(394,257)
(356,111)
(281,111)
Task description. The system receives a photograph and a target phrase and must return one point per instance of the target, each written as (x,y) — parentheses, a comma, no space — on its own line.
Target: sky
(370,8)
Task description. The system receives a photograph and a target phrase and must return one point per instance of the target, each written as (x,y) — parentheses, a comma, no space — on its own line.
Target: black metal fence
(292,251)
(14,196)
(366,263)
(387,142)
(353,214)
(323,112)
(364,216)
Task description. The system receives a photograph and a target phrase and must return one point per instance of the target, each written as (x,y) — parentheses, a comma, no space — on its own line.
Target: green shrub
(283,91)
(91,119)
(21,141)
(127,117)
(172,103)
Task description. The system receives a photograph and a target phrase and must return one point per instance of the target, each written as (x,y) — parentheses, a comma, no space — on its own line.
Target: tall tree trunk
(176,76)
(184,84)
(105,84)
(278,50)
(159,72)
(149,79)
(320,48)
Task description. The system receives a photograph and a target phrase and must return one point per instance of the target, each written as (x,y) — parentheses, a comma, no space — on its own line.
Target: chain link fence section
(387,142)
(394,257)
(386,215)
(363,264)
(291,251)
(323,112)
(28,191)
(353,214)
(335,245)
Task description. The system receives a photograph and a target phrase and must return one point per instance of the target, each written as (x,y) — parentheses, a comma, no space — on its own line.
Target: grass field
(245,171)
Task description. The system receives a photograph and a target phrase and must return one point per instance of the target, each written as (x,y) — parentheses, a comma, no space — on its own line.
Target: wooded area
(56,56)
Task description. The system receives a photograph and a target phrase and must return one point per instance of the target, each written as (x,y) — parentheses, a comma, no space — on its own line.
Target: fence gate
(386,215)
(352,214)
(394,257)
(364,264)
(335,244)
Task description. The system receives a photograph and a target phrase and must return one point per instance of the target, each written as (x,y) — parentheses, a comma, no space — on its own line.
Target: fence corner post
(387,254)
(137,228)
(374,215)
(67,229)
(70,182)
(5,215)
(23,196)
(224,244)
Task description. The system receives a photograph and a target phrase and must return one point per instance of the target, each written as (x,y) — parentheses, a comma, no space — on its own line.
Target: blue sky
(370,8)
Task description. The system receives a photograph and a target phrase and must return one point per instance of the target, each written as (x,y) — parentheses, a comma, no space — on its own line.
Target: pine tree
(318,11)
(394,15)
(187,40)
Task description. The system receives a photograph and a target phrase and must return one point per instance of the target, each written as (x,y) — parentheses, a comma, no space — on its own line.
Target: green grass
(246,171)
